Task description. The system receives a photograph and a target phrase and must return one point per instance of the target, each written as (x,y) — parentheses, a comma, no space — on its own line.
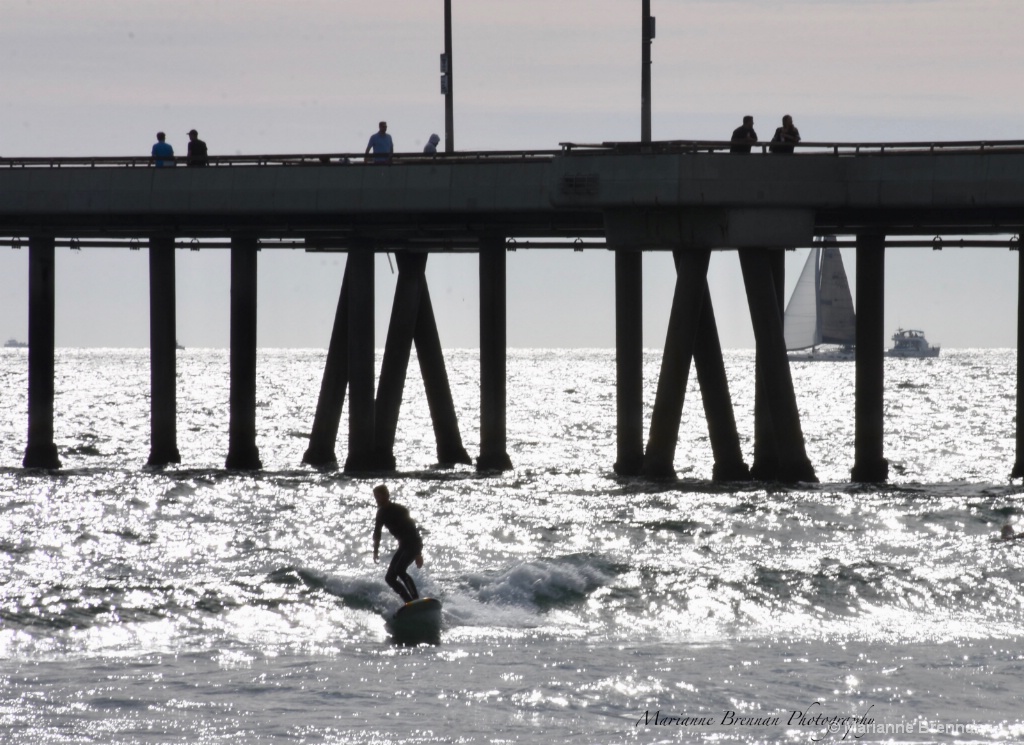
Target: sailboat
(820,323)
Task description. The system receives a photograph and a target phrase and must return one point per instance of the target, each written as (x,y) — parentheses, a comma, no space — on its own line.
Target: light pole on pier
(647,31)
(446,80)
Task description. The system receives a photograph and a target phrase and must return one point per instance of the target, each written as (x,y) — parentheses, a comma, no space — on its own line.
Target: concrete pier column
(714,391)
(450,449)
(361,364)
(869,464)
(397,349)
(1018,466)
(162,353)
(766,452)
(629,362)
(324,436)
(493,350)
(771,350)
(684,320)
(242,452)
(40,451)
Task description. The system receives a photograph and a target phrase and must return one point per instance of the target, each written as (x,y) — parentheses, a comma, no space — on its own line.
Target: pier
(688,198)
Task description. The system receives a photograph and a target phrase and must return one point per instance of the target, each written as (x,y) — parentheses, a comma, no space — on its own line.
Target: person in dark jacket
(743,135)
(395,518)
(785,136)
(196,150)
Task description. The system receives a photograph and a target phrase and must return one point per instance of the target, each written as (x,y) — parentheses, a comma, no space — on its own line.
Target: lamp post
(647,32)
(446,80)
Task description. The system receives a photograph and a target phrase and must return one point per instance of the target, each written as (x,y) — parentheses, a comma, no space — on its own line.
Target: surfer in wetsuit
(396,519)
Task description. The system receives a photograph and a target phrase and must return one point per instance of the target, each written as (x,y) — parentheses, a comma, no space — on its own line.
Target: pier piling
(324,435)
(162,353)
(777,382)
(869,415)
(629,362)
(40,450)
(242,451)
(493,364)
(361,363)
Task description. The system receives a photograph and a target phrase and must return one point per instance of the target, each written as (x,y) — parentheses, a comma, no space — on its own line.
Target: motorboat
(911,343)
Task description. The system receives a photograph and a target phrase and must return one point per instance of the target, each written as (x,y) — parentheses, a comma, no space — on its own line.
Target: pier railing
(972,147)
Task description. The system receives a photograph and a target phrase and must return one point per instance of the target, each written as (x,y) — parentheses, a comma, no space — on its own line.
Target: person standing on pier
(431,147)
(197,155)
(396,519)
(785,136)
(381,145)
(162,153)
(744,135)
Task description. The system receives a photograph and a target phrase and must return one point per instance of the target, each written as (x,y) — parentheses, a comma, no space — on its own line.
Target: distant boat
(820,323)
(911,343)
(177,344)
(15,344)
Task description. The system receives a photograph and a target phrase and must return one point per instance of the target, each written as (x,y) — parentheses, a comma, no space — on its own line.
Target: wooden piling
(493,351)
(629,362)
(40,451)
(870,465)
(242,451)
(162,353)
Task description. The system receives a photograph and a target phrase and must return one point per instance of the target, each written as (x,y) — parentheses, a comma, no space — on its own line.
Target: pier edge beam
(684,321)
(361,361)
(629,362)
(870,466)
(40,450)
(162,353)
(1018,466)
(762,298)
(242,451)
(323,436)
(493,354)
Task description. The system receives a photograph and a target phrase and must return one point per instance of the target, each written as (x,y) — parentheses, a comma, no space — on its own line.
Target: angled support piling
(40,451)
(493,373)
(412,321)
(629,362)
(324,436)
(869,463)
(397,349)
(450,449)
(361,365)
(684,321)
(242,451)
(766,452)
(162,353)
(714,391)
(762,298)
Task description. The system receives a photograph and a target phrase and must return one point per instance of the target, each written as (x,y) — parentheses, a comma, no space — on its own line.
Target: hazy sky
(307,76)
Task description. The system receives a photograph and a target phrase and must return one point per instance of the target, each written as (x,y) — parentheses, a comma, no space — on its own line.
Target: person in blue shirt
(163,153)
(381,145)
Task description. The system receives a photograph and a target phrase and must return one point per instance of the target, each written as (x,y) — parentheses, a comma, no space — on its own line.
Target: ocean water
(166,606)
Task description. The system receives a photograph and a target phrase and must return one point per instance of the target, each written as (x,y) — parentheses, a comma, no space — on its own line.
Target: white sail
(800,323)
(820,310)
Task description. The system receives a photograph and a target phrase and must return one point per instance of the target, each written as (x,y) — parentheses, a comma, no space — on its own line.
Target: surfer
(396,519)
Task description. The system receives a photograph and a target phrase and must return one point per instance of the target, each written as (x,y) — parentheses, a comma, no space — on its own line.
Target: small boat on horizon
(911,343)
(15,344)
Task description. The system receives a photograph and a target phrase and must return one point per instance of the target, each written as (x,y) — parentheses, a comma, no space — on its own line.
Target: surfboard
(416,622)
